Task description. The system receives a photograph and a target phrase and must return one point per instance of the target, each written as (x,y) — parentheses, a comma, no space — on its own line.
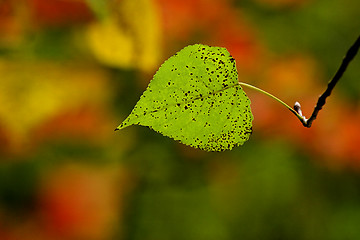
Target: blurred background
(72,70)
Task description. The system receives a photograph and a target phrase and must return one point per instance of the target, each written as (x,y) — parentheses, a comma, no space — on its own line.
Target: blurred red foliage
(213,22)
(10,24)
(59,12)
(79,202)
(86,123)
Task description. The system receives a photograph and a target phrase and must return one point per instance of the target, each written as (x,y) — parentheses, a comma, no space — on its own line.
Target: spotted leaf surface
(195,98)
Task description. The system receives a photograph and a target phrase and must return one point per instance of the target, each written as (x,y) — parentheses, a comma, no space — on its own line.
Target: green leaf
(195,98)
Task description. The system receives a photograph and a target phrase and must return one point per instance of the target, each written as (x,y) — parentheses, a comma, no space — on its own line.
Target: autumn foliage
(72,69)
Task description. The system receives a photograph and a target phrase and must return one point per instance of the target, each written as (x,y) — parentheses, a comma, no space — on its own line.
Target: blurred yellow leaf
(31,93)
(110,44)
(129,37)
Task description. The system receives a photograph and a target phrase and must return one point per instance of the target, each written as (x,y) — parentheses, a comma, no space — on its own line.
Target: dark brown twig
(351,53)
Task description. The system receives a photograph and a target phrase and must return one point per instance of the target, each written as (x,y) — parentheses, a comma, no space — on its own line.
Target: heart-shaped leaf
(195,98)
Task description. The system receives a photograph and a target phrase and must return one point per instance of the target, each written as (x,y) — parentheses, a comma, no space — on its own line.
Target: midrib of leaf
(194,99)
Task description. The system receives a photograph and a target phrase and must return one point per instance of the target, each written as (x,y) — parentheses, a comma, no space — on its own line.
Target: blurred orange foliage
(81,202)
(217,23)
(59,12)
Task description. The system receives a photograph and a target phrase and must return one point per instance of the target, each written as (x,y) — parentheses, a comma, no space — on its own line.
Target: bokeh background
(72,70)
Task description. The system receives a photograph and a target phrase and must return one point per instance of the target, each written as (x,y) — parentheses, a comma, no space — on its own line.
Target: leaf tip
(122,125)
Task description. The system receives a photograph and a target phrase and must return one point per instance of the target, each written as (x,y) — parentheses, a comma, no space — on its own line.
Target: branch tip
(351,53)
(297,108)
